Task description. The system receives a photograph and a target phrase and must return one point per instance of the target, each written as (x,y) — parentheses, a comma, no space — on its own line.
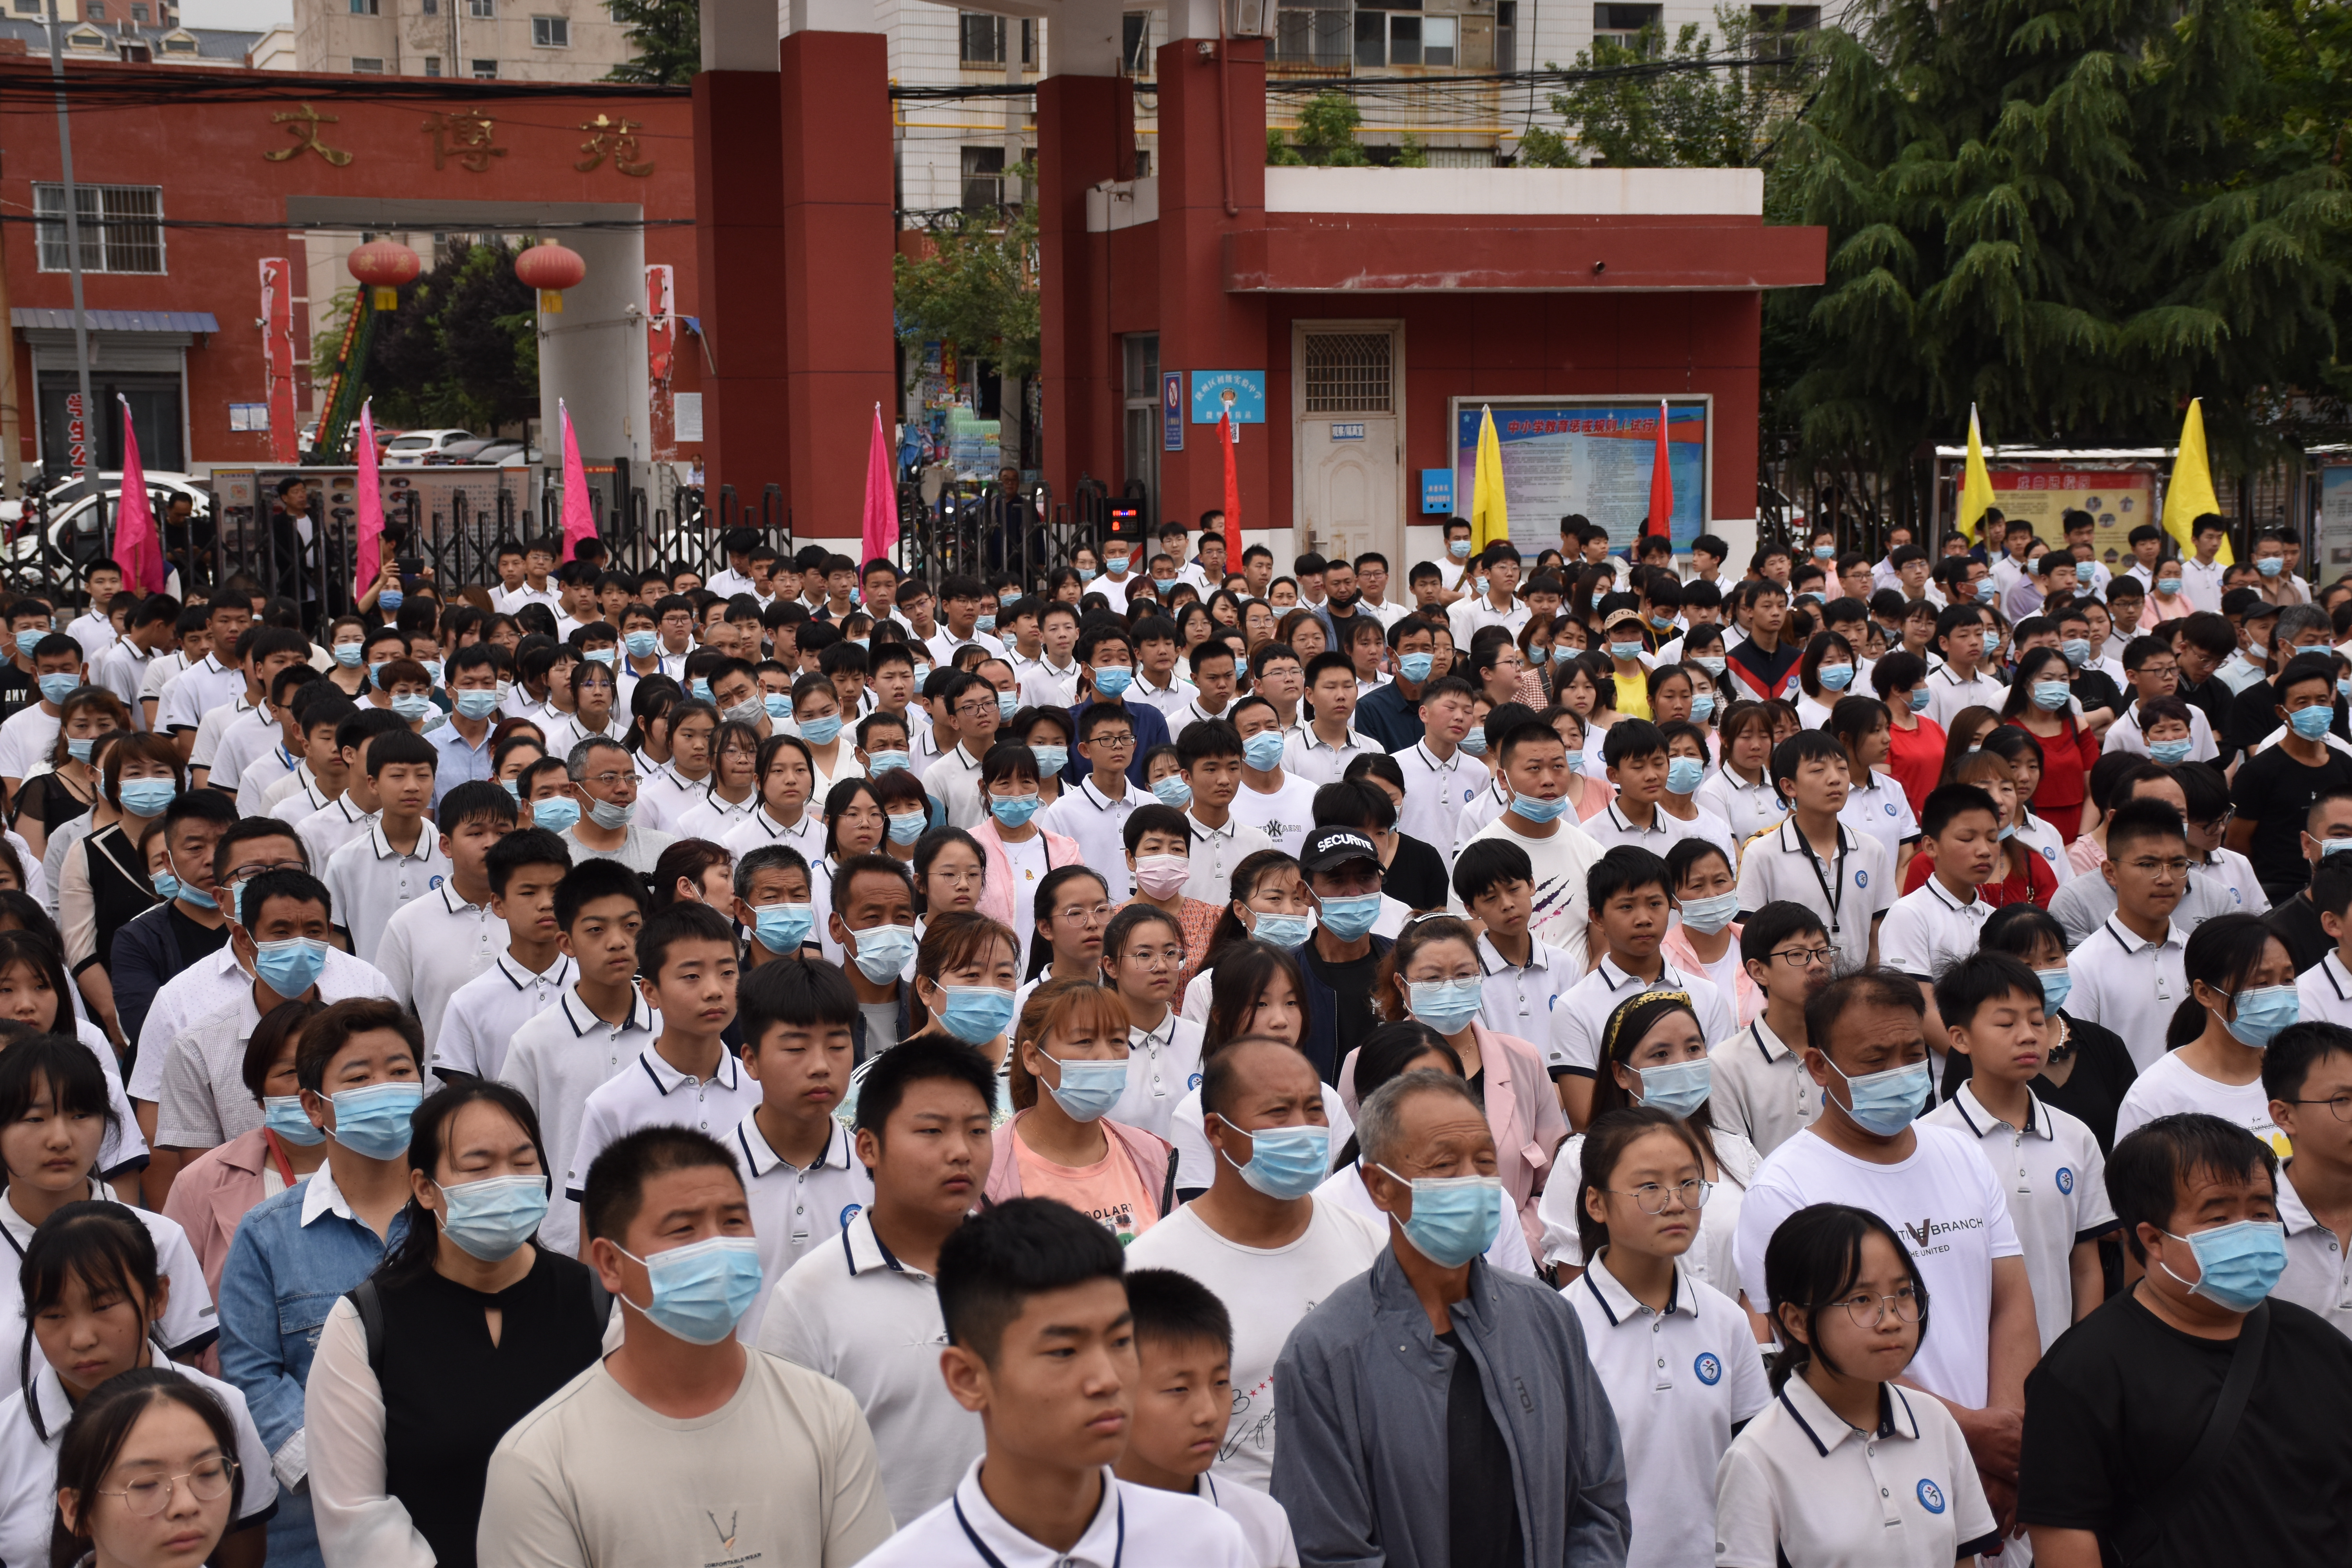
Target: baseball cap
(1327,847)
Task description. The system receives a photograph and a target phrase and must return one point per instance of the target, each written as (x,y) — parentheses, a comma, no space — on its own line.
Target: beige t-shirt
(782,1475)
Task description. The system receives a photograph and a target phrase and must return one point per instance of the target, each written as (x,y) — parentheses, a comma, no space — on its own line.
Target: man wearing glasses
(1868,1054)
(1760,1090)
(1095,812)
(976,707)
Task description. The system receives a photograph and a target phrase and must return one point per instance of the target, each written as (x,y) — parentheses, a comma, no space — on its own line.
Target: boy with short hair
(1639,762)
(399,858)
(1760,1087)
(2307,1073)
(2046,1160)
(1094,811)
(522,869)
(1183,1403)
(1845,878)
(1525,978)
(2130,974)
(1318,751)
(1041,1345)
(434,946)
(2324,990)
(1939,921)
(1211,752)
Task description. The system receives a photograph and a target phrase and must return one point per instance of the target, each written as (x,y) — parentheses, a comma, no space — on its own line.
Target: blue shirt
(460,762)
(1151,729)
(1390,717)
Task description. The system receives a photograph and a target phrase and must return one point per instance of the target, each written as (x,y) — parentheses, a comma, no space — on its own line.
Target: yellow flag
(2189,494)
(1489,516)
(1976,485)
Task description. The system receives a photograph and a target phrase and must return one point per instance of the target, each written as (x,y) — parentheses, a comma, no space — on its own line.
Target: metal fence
(981,529)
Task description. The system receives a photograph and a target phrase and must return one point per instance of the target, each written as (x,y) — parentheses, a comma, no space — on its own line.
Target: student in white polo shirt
(1677,1356)
(1094,810)
(2325,988)
(2129,973)
(2307,1073)
(435,945)
(1845,1465)
(1040,1346)
(1761,1089)
(864,1309)
(2053,1176)
(687,963)
(521,871)
(1210,751)
(1143,952)
(1525,978)
(398,859)
(2240,995)
(1938,923)
(802,1177)
(1628,890)
(1845,878)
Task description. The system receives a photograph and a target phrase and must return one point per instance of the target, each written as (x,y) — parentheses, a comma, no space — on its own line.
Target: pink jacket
(1746,1004)
(996,886)
(1523,1110)
(212,1192)
(1154,1158)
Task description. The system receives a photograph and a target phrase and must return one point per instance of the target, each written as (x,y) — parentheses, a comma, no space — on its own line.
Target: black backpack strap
(2149,1523)
(368,1301)
(1168,1187)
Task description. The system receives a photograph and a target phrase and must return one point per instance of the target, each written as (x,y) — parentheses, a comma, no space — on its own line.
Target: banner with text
(2119,499)
(1565,455)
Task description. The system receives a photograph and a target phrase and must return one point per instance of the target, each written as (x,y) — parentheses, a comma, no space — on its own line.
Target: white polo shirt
(1798,1485)
(2169,1085)
(1435,794)
(1043,686)
(758,829)
(482,1015)
(1678,1381)
(1881,810)
(1929,928)
(654,1094)
(663,797)
(330,827)
(953,781)
(2318,1271)
(851,1311)
(291,800)
(1307,755)
(274,766)
(189,1324)
(2057,1192)
(1216,851)
(711,816)
(1761,1089)
(1286,816)
(2200,582)
(1613,828)
(1582,1017)
(2324,991)
(556,1061)
(1265,1526)
(1949,696)
(372,881)
(1133,1527)
(795,1211)
(199,689)
(1747,809)
(1848,891)
(199,1064)
(433,947)
(1163,1064)
(2130,986)
(1518,999)
(1098,822)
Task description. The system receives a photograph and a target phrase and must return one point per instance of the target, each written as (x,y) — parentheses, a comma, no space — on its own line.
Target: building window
(481,10)
(983,179)
(432,64)
(95,11)
(1135,43)
(139,14)
(1310,35)
(1140,350)
(1143,163)
(367,65)
(122,227)
(981,39)
(180,44)
(1404,40)
(486,70)
(30,7)
(1507,35)
(551,33)
(135,54)
(1624,25)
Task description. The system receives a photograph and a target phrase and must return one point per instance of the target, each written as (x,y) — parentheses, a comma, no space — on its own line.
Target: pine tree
(669,37)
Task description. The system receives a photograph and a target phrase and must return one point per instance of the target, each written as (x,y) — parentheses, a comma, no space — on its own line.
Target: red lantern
(550,268)
(385,265)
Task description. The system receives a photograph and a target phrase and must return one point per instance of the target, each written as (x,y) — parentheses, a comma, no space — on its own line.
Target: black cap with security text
(1328,848)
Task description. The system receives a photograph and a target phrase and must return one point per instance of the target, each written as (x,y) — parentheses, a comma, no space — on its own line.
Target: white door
(1351,489)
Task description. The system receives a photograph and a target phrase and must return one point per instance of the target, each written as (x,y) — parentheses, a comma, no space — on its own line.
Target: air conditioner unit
(1249,18)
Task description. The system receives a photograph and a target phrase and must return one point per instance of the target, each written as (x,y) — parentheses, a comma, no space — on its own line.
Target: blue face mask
(1114,682)
(1459,549)
(1172,790)
(880,762)
(1117,565)
(147,797)
(1531,809)
(556,813)
(1987,591)
(167,887)
(1008,703)
(1012,811)
(883,953)
(923,673)
(1416,667)
(55,689)
(2238,1265)
(1445,1006)
(411,706)
(1563,653)
(391,599)
(2263,1011)
(1678,1088)
(2169,752)
(782,928)
(2270,565)
(700,687)
(1709,916)
(378,1120)
(1286,1163)
(2312,722)
(2076,651)
(2051,695)
(1349,919)
(1683,774)
(1824,551)
(1920,697)
(475,704)
(1263,751)
(611,817)
(1051,760)
(1284,931)
(607,657)
(283,1114)
(976,1013)
(1708,662)
(491,1217)
(1622,652)
(1702,707)
(1454,1218)
(29,639)
(984,624)
(643,645)
(1836,677)
(906,826)
(78,747)
(821,732)
(702,1291)
(2168,586)
(1087,1090)
(1886,1102)
(2057,984)
(1474,741)
(776,705)
(1085,573)
(290,967)
(348,654)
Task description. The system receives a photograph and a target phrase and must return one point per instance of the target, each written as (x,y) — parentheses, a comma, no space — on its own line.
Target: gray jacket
(1362,1387)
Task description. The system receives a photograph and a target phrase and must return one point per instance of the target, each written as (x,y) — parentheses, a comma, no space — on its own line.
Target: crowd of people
(1170,1063)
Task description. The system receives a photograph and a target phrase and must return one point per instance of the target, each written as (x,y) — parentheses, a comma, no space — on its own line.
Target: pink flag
(1661,482)
(371,488)
(881,530)
(579,522)
(137,548)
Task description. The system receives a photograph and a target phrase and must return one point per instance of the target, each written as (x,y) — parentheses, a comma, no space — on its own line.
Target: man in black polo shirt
(2128,1456)
(2299,628)
(2275,788)
(2201,643)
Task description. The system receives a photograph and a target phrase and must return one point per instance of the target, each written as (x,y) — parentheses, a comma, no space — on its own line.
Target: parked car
(50,561)
(414,448)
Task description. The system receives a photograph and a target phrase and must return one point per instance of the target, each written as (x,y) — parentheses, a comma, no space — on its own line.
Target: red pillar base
(739,227)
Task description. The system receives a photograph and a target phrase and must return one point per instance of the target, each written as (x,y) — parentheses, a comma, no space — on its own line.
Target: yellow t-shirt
(1107,1192)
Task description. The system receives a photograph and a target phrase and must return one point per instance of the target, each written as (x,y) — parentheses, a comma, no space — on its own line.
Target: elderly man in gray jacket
(1433,1409)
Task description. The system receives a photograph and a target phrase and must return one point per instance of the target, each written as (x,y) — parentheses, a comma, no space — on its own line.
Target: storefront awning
(41,319)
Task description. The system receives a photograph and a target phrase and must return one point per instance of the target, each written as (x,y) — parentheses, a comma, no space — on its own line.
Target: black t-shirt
(2274,792)
(1482,1509)
(199,940)
(1416,878)
(2118,1406)
(2213,698)
(2296,923)
(17,690)
(1351,982)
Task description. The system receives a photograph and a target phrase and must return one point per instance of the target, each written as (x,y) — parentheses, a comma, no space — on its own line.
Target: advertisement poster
(1564,456)
(2334,529)
(2120,498)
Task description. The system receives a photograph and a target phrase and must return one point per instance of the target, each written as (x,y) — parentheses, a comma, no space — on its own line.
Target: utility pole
(89,422)
(1014,404)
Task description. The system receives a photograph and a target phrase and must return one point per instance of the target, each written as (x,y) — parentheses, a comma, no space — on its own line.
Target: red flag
(370,496)
(579,521)
(137,548)
(881,528)
(1228,433)
(1661,482)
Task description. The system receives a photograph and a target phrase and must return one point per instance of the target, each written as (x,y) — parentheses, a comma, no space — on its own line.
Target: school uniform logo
(1709,1368)
(850,1214)
(1194,1082)
(1890,808)
(1931,1497)
(2065,1179)
(1862,878)
(433,884)
(2047,852)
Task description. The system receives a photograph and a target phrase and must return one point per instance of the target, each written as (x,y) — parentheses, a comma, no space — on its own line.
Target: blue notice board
(1172,411)
(1212,390)
(1437,492)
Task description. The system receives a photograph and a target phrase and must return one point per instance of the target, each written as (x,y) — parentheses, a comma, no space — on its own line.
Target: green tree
(668,37)
(1326,136)
(462,349)
(978,289)
(1693,106)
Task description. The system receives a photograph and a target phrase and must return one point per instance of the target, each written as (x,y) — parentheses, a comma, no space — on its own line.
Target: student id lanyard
(994,1561)
(1833,885)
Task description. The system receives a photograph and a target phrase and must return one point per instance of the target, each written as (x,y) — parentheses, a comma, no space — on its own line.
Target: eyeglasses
(2148,867)
(609,781)
(2340,1106)
(1803,957)
(150,1495)
(1868,1311)
(1114,742)
(243,873)
(1651,1197)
